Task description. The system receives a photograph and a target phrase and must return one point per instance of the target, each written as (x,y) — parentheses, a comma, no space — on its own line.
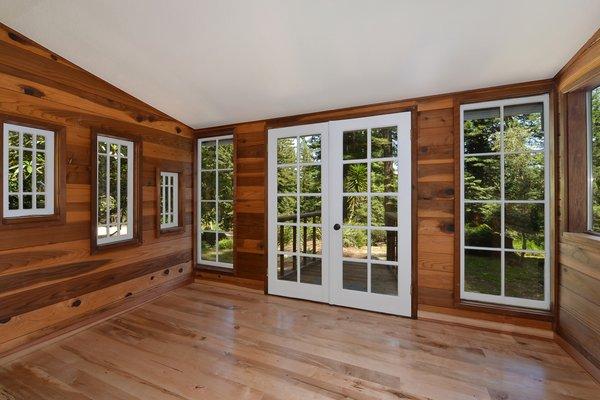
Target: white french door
(340,213)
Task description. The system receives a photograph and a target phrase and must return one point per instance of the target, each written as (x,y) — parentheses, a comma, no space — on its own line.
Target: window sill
(169,231)
(100,248)
(543,315)
(31,221)
(219,270)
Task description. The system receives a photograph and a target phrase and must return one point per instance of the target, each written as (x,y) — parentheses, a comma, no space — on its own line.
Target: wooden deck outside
(210,341)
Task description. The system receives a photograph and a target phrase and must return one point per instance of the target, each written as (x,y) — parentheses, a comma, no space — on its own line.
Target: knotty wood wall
(437,183)
(579,253)
(48,279)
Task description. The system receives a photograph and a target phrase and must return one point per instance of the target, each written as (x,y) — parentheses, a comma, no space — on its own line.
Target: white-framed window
(169,200)
(28,165)
(215,206)
(505,209)
(114,172)
(594,160)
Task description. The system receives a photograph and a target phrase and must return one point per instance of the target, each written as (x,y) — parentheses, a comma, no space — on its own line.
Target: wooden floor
(208,341)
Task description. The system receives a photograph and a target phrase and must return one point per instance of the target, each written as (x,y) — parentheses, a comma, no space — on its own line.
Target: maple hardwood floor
(210,341)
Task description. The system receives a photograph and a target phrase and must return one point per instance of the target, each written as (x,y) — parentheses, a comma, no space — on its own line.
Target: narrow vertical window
(505,209)
(28,171)
(114,173)
(594,161)
(169,200)
(215,174)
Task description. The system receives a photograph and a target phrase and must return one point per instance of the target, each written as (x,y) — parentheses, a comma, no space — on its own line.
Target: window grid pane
(169,203)
(114,190)
(507,219)
(215,176)
(29,182)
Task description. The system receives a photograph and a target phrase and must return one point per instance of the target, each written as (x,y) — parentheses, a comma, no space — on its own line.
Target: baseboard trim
(492,326)
(109,311)
(581,360)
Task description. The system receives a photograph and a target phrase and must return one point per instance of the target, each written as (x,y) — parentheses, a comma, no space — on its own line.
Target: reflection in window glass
(594,211)
(216,201)
(504,203)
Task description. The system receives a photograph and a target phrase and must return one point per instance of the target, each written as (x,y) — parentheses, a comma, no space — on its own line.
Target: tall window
(28,165)
(504,198)
(114,189)
(594,164)
(215,173)
(169,200)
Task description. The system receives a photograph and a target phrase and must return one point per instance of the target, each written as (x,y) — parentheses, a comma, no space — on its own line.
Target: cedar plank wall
(579,254)
(45,270)
(436,187)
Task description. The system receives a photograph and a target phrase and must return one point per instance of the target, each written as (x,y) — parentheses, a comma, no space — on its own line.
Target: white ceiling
(213,62)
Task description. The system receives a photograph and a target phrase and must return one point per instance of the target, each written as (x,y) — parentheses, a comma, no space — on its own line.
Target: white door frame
(287,288)
(402,303)
(330,291)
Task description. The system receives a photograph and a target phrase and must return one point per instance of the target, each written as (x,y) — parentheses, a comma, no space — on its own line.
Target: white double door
(339,212)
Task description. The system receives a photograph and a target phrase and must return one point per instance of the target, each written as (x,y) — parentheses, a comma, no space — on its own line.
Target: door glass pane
(384,245)
(384,177)
(384,279)
(355,178)
(310,270)
(287,210)
(482,271)
(287,149)
(287,237)
(523,127)
(482,130)
(310,148)
(482,178)
(482,225)
(354,276)
(525,275)
(310,179)
(355,145)
(310,209)
(524,226)
(524,176)
(286,268)
(355,243)
(355,210)
(310,240)
(384,142)
(286,180)
(384,211)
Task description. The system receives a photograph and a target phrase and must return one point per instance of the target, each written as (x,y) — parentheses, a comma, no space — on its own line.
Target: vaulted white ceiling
(212,62)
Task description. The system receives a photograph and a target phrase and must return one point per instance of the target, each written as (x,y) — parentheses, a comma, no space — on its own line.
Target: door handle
(336,227)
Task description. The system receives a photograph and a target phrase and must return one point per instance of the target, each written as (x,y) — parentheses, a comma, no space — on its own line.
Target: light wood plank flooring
(209,341)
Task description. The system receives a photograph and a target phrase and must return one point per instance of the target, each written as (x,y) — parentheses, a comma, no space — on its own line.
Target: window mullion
(502,206)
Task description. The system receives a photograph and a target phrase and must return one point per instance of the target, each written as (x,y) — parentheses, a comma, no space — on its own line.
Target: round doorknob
(336,227)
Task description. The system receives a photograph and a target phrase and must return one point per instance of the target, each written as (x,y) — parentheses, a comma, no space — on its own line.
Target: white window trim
(172,200)
(49,173)
(503,299)
(199,193)
(131,183)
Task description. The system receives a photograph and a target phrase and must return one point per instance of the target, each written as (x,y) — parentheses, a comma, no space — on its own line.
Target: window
(28,165)
(594,161)
(215,173)
(504,202)
(169,200)
(115,190)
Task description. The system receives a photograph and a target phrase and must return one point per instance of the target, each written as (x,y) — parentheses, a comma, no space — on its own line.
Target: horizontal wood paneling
(44,268)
